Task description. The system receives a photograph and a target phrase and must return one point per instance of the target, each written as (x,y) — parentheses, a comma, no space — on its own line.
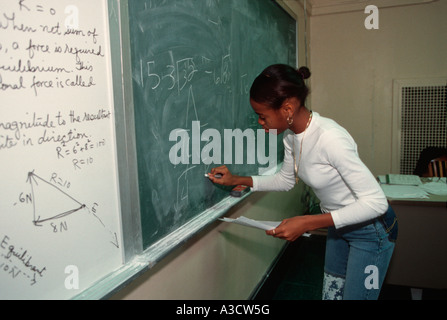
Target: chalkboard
(193,62)
(60,228)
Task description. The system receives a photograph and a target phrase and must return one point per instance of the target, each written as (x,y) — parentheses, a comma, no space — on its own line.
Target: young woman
(361,225)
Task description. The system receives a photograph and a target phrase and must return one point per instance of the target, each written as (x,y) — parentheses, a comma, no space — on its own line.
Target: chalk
(217,175)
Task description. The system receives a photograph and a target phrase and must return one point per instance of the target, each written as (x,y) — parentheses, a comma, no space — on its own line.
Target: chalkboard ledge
(118,279)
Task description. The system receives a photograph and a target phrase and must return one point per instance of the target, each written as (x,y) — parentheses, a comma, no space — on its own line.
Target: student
(361,225)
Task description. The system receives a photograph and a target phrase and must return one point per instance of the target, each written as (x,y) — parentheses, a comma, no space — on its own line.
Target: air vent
(420,120)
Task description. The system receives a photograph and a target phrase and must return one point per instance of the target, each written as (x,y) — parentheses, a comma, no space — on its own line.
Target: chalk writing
(24,59)
(32,63)
(18,262)
(179,73)
(56,118)
(57,129)
(58,187)
(49,56)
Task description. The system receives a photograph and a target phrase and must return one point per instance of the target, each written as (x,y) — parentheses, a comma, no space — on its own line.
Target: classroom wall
(352,73)
(353,69)
(225,261)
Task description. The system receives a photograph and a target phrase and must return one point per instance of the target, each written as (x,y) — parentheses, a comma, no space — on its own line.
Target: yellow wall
(353,69)
(225,261)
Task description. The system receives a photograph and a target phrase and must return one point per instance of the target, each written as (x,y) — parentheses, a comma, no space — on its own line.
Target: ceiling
(320,7)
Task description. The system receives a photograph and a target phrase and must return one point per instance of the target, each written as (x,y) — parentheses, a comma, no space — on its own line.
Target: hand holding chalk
(221,175)
(217,175)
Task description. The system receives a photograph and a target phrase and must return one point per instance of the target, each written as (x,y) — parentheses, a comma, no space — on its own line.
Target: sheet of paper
(263,225)
(439,188)
(404,192)
(403,179)
(433,185)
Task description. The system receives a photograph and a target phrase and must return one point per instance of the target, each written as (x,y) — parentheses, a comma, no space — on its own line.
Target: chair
(438,167)
(424,162)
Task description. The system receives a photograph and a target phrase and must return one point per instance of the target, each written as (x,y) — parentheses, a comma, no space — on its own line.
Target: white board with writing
(60,220)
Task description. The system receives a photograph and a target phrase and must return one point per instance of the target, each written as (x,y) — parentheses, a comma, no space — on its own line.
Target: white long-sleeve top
(331,166)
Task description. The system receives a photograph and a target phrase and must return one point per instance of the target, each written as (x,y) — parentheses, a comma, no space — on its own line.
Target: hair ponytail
(279,82)
(304,72)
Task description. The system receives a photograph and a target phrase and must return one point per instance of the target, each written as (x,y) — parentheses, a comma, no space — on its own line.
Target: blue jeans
(357,258)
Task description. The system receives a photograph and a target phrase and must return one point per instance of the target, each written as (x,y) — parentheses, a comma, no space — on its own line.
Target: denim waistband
(389,221)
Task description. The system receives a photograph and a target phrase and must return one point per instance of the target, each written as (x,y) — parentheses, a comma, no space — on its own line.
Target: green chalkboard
(193,62)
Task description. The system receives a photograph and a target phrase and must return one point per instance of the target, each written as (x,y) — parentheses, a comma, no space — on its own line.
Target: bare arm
(292,228)
(228,179)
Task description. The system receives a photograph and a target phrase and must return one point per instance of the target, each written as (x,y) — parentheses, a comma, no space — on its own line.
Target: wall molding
(323,7)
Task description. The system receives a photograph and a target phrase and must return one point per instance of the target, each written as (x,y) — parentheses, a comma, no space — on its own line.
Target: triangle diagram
(49,201)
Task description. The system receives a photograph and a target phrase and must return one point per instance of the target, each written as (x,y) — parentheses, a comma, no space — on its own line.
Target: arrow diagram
(51,202)
(61,204)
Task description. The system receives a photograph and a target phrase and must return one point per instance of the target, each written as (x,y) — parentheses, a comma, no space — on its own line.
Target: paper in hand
(263,225)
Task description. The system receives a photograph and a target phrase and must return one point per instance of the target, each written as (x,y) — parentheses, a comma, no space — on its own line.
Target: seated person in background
(426,156)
